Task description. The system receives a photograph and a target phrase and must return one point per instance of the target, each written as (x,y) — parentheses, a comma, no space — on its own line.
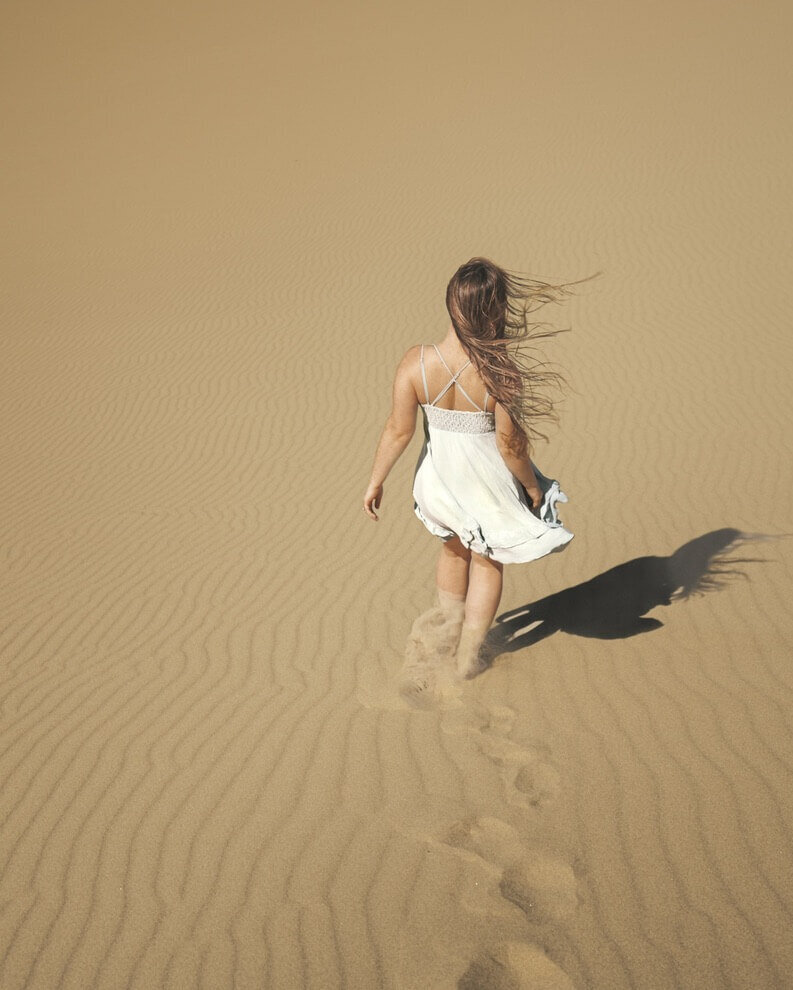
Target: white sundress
(463,487)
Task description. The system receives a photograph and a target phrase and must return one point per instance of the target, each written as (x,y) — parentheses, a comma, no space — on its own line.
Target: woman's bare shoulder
(410,357)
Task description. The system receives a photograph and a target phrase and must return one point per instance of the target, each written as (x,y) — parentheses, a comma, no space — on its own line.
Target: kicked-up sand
(224,224)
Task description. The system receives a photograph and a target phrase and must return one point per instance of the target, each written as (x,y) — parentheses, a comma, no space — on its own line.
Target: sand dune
(224,227)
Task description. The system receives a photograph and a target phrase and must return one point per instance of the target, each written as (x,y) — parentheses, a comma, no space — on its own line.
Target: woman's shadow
(613,605)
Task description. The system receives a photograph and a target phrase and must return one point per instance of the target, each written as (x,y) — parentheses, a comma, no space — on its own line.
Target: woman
(475,485)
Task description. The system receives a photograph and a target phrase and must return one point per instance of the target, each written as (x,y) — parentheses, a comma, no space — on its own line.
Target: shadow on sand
(613,605)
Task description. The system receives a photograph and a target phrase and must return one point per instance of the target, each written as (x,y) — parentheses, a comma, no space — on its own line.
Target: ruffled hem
(554,539)
(473,539)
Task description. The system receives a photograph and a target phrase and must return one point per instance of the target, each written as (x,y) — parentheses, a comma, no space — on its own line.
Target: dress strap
(424,373)
(445,365)
(469,397)
(452,381)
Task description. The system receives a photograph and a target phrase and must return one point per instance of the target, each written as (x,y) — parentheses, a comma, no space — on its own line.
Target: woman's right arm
(514,449)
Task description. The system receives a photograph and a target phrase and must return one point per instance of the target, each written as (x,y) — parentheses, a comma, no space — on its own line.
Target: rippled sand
(224,226)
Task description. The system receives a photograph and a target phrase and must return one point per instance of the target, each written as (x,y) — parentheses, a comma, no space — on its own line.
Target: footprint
(426,686)
(427,678)
(489,838)
(542,885)
(514,966)
(417,688)
(539,782)
(529,778)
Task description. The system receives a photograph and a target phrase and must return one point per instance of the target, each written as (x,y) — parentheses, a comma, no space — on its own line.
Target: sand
(224,226)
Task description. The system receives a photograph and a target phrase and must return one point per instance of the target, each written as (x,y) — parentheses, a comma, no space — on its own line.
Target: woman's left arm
(397,432)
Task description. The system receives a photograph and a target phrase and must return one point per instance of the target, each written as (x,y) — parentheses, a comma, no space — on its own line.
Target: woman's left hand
(371,500)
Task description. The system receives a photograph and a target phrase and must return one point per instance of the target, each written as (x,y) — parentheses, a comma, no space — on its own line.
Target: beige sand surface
(224,225)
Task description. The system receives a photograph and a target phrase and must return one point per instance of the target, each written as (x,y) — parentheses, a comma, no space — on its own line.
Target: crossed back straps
(448,385)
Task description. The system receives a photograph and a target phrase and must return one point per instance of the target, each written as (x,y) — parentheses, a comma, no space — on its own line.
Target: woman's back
(450,381)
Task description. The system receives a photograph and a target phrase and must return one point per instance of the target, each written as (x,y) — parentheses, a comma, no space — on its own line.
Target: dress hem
(554,539)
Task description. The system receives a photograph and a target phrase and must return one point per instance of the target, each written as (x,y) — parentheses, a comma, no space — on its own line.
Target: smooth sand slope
(224,225)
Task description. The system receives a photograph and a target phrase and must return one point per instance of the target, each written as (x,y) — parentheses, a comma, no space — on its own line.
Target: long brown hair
(489,308)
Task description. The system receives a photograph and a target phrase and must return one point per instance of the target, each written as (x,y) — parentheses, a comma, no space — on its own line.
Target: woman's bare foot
(471,657)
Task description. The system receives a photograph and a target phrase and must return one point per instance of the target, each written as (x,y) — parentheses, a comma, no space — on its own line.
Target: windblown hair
(489,308)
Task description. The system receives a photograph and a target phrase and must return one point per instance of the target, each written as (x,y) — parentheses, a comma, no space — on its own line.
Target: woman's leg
(451,584)
(451,574)
(434,635)
(485,584)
